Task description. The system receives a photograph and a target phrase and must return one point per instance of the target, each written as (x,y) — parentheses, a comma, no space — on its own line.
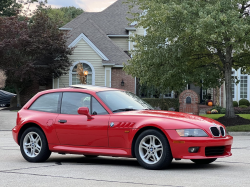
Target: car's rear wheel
(152,150)
(203,161)
(34,145)
(91,156)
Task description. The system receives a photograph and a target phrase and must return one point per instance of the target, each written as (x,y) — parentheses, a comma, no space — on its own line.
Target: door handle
(62,121)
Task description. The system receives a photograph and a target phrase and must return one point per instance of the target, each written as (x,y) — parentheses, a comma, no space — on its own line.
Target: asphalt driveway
(7,120)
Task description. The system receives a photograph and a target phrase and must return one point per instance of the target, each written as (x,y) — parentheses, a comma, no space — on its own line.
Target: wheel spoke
(145,146)
(37,139)
(32,144)
(147,156)
(151,149)
(152,140)
(38,148)
(27,145)
(31,137)
(155,156)
(32,152)
(158,149)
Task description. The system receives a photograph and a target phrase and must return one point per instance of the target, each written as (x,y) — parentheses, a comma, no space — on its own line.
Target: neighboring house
(101,42)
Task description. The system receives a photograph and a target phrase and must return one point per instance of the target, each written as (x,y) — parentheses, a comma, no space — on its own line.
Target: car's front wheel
(34,145)
(152,150)
(203,161)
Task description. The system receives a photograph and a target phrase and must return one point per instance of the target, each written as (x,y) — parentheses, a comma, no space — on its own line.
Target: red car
(92,121)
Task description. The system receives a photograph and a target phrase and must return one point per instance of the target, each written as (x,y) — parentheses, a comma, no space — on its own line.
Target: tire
(91,156)
(34,145)
(203,161)
(152,150)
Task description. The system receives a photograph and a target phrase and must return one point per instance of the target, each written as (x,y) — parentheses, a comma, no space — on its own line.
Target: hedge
(163,104)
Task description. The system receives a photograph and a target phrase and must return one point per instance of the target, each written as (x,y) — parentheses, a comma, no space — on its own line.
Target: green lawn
(240,128)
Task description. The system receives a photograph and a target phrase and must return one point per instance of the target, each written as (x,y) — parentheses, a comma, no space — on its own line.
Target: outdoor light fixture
(122,83)
(86,73)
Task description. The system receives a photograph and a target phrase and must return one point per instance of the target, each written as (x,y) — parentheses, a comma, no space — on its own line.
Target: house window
(76,80)
(243,87)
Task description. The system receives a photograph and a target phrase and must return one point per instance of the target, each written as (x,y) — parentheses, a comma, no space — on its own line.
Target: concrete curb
(239,133)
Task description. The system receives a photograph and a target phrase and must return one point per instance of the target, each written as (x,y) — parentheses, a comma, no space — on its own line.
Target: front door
(77,130)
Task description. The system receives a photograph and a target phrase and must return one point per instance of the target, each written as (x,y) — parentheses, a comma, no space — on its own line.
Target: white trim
(82,61)
(82,36)
(108,68)
(65,29)
(118,66)
(118,36)
(130,28)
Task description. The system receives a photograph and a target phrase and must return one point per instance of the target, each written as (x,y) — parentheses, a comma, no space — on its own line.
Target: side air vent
(215,131)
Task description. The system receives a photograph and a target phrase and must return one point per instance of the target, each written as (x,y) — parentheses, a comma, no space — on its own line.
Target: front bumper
(179,146)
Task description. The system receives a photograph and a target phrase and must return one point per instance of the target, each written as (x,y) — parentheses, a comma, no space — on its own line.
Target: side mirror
(84,111)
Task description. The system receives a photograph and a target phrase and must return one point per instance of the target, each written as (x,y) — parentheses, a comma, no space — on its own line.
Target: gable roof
(114,54)
(112,20)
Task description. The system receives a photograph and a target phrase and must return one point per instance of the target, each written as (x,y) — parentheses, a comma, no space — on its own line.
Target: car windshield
(119,101)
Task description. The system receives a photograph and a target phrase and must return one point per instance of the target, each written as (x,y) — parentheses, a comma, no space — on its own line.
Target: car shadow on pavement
(132,162)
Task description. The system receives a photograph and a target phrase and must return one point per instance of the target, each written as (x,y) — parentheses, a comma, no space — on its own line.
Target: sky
(86,5)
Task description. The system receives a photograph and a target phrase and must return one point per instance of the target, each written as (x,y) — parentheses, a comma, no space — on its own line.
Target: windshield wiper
(124,109)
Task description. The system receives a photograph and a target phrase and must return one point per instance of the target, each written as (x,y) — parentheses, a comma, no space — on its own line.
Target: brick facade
(117,75)
(193,107)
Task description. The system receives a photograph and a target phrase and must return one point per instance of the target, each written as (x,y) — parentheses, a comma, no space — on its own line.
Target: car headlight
(191,133)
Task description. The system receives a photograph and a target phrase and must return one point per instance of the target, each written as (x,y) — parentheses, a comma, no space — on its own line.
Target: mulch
(233,121)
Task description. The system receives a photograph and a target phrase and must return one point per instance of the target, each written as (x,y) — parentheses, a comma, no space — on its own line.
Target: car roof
(92,88)
(81,87)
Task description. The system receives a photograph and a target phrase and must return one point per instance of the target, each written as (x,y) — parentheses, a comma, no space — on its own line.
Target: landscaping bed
(240,123)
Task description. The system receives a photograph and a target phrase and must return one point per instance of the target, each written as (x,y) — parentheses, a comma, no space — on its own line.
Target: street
(76,170)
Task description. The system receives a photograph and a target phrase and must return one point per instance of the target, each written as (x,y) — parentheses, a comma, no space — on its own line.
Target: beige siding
(84,52)
(121,42)
(64,81)
(140,31)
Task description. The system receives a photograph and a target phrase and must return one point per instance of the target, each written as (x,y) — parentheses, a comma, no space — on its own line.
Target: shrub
(218,108)
(243,106)
(163,104)
(239,110)
(235,103)
(244,102)
(223,111)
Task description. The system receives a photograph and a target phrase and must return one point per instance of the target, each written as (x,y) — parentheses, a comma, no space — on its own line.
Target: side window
(97,108)
(71,101)
(46,103)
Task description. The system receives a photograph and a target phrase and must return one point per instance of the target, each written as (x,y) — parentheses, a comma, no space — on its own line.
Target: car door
(78,130)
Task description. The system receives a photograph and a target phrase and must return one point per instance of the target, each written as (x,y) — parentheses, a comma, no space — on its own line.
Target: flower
(214,111)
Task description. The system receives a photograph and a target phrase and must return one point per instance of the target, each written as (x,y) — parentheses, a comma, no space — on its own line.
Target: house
(101,42)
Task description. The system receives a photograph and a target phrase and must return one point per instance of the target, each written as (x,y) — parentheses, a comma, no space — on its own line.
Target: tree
(2,79)
(9,7)
(63,15)
(32,52)
(188,41)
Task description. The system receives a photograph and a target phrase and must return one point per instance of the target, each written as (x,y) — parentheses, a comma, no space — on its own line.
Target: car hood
(181,117)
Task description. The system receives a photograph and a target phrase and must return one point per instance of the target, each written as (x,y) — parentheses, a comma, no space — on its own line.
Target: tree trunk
(17,95)
(228,85)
